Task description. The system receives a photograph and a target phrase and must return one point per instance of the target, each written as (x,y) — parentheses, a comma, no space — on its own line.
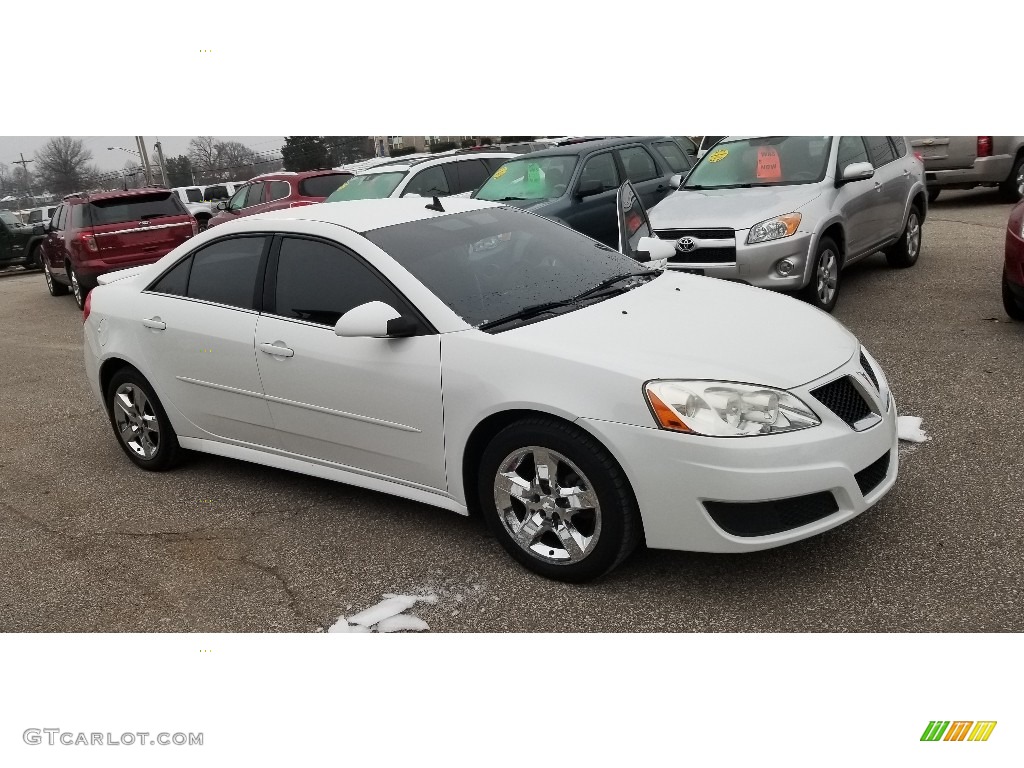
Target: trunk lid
(138,228)
(944,153)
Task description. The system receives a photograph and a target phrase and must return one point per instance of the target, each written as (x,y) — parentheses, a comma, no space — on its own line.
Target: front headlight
(774,229)
(724,409)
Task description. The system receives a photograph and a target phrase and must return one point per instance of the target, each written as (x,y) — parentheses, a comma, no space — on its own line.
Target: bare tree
(6,180)
(235,160)
(64,165)
(202,153)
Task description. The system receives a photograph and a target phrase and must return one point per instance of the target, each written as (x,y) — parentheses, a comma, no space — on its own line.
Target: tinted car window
(175,280)
(638,164)
(531,178)
(493,163)
(62,217)
(468,175)
(278,190)
(50,212)
(216,193)
(118,210)
(193,195)
(673,156)
(879,150)
(78,216)
(601,168)
(488,264)
(35,217)
(254,195)
(225,272)
(851,150)
(429,181)
(55,219)
(900,144)
(319,283)
(322,186)
(238,199)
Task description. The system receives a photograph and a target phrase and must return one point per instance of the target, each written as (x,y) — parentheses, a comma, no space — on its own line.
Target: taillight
(87,308)
(89,242)
(984,146)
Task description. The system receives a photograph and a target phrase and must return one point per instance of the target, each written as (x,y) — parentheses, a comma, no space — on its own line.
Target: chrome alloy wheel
(1020,181)
(828,276)
(48,276)
(137,425)
(547,505)
(913,235)
(75,286)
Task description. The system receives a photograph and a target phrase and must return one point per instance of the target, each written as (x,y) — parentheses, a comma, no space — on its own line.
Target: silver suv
(790,212)
(964,162)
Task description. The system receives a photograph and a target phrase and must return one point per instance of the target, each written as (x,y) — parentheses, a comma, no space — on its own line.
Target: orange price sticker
(768,165)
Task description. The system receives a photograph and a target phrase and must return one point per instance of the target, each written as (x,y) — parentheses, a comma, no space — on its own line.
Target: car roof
(366,215)
(439,159)
(585,147)
(288,175)
(90,197)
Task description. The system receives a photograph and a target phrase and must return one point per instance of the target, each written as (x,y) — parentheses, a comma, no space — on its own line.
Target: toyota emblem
(686,244)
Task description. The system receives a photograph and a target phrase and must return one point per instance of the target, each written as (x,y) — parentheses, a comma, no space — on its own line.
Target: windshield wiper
(610,282)
(505,199)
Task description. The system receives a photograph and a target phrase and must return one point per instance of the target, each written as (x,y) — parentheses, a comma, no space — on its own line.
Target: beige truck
(965,162)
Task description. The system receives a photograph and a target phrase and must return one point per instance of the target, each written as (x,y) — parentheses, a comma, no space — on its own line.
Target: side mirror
(222,205)
(375,320)
(856,172)
(653,249)
(676,180)
(38,229)
(589,188)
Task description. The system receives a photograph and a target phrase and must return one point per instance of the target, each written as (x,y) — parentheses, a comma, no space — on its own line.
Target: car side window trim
(269,298)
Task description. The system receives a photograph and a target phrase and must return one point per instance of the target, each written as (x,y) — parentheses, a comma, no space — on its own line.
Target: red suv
(284,189)
(93,234)
(1013,264)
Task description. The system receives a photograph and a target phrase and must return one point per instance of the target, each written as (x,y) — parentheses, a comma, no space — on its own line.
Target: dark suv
(577,184)
(93,234)
(283,189)
(19,243)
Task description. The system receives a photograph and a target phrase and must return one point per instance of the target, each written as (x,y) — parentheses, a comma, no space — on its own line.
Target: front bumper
(673,475)
(986,170)
(755,264)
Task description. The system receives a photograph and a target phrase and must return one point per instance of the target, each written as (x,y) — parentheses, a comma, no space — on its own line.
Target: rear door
(465,175)
(137,228)
(53,245)
(640,168)
(887,184)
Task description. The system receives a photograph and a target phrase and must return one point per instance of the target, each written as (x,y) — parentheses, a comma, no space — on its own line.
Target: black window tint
(50,212)
(225,272)
(323,185)
(254,196)
(879,150)
(470,173)
(278,190)
(601,168)
(900,144)
(193,195)
(851,150)
(494,163)
(319,283)
(55,219)
(34,217)
(175,280)
(673,156)
(62,217)
(78,216)
(639,165)
(216,193)
(117,210)
(428,182)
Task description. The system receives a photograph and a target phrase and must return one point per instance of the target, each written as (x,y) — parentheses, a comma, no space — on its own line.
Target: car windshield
(762,162)
(492,263)
(370,186)
(9,218)
(538,178)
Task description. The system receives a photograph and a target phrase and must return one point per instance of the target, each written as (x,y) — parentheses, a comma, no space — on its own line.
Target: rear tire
(557,500)
(140,423)
(55,288)
(79,289)
(933,195)
(1014,307)
(1013,188)
(37,258)
(823,289)
(906,250)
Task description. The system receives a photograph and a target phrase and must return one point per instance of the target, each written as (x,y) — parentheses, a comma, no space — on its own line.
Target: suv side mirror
(675,180)
(589,188)
(375,320)
(856,172)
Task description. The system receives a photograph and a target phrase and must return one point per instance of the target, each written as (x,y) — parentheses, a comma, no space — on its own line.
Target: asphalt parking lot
(90,543)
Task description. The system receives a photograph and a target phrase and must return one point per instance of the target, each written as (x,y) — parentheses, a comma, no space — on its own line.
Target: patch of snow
(402,623)
(384,609)
(909,428)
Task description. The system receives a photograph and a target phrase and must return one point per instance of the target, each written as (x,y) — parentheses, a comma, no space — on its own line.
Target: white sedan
(481,358)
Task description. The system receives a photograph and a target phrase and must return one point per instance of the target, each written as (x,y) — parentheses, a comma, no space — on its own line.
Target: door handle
(878,187)
(155,323)
(277,351)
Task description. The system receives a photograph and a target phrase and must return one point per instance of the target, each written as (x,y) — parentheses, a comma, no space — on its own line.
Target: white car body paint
(414,402)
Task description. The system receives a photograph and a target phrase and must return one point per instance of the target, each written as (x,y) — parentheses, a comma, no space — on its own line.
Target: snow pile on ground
(386,616)
(909,428)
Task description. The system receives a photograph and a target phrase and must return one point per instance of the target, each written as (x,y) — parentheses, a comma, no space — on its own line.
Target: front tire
(823,289)
(55,288)
(140,423)
(557,501)
(1013,188)
(1014,307)
(904,254)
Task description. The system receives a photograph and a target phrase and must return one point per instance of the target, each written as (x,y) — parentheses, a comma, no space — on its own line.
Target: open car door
(636,238)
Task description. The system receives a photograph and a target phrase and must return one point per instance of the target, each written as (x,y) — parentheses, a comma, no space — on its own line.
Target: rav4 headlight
(774,229)
(724,409)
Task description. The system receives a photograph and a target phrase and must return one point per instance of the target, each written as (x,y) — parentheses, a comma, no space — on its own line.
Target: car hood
(733,208)
(685,326)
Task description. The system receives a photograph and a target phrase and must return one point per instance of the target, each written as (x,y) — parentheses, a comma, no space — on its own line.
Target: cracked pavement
(90,543)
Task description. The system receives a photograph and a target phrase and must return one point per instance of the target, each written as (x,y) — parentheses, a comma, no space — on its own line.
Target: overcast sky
(11,146)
